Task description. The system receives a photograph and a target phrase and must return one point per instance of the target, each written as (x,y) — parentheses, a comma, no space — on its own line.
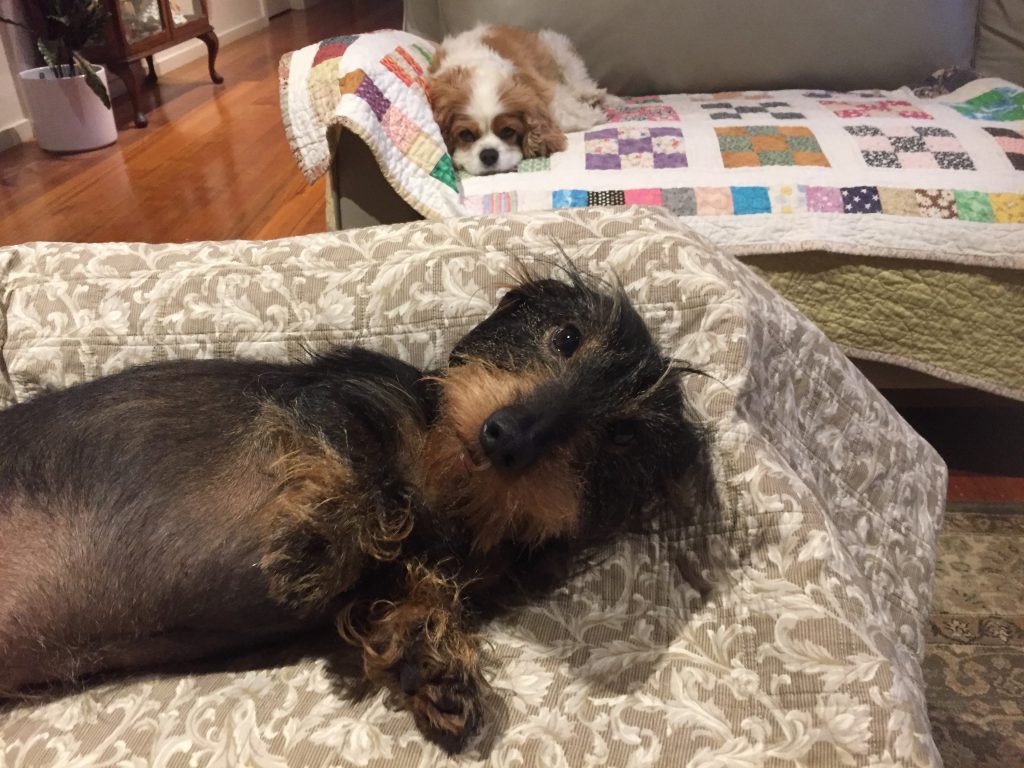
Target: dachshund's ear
(530,98)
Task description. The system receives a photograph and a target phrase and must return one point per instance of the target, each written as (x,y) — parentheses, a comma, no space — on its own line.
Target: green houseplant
(62,95)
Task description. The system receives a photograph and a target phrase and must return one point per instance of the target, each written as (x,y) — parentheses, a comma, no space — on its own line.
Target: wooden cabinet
(140,28)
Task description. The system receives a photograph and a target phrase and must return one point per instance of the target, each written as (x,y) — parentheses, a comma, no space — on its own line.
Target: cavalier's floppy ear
(447,93)
(542,135)
(530,97)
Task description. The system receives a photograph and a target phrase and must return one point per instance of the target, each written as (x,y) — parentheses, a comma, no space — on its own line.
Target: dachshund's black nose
(510,438)
(488,156)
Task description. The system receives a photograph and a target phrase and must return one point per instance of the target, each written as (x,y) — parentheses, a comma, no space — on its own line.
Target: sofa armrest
(358,194)
(371,86)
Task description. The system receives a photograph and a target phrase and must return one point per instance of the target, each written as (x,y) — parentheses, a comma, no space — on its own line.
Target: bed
(784,625)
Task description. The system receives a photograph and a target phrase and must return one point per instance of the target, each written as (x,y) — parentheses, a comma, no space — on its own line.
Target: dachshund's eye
(506,133)
(622,433)
(467,136)
(566,340)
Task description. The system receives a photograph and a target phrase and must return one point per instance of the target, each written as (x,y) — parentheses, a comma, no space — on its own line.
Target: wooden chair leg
(212,46)
(129,72)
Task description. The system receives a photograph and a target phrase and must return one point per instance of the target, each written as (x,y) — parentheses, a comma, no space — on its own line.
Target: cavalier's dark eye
(467,136)
(508,132)
(622,433)
(566,340)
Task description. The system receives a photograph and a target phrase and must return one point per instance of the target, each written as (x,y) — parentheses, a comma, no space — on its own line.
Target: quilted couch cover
(820,560)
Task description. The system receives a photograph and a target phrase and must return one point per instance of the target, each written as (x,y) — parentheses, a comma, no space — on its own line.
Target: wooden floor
(213,163)
(977,486)
(981,439)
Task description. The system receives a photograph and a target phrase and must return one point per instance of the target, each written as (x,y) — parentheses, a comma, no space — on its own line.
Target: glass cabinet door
(141,19)
(185,11)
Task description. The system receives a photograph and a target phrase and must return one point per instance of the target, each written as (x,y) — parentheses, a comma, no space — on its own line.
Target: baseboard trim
(16,133)
(182,54)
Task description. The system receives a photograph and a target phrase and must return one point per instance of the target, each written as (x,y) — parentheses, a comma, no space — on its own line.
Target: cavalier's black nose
(510,438)
(488,156)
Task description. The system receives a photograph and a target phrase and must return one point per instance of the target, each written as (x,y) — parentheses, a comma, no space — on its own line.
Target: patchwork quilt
(372,85)
(885,173)
(868,173)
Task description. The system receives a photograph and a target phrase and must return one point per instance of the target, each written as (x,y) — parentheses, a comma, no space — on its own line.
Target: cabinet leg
(151,76)
(212,46)
(129,72)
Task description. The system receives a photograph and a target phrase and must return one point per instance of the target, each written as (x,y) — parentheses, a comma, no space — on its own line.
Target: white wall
(14,125)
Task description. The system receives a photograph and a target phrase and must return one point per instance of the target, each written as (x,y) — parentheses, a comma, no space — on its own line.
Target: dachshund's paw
(447,708)
(421,650)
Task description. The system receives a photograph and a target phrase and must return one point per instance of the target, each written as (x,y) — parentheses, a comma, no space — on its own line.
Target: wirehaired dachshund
(179,509)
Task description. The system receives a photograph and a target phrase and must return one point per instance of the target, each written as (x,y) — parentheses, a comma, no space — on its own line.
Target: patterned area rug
(974,664)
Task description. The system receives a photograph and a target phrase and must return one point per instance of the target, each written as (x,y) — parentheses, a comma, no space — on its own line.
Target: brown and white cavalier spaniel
(501,94)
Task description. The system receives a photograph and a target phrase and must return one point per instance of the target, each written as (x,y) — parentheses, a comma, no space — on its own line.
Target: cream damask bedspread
(807,650)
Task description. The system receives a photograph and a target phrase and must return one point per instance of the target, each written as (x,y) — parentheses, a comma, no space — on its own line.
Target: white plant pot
(66,115)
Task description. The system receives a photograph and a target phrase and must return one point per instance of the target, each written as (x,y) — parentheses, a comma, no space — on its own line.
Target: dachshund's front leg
(326,525)
(420,649)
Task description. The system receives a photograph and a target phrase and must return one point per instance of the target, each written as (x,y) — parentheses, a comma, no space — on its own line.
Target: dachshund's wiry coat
(178,509)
